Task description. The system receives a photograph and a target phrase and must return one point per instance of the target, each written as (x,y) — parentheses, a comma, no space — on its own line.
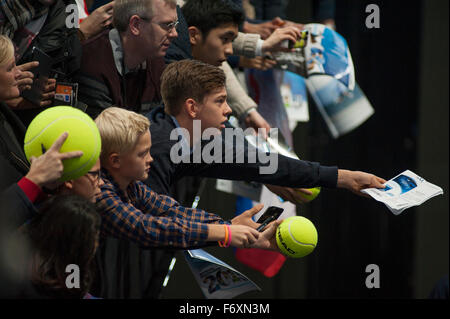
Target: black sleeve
(250,164)
(15,208)
(16,249)
(161,174)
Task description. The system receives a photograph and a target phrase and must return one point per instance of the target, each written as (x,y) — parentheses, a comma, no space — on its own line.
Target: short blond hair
(6,50)
(120,130)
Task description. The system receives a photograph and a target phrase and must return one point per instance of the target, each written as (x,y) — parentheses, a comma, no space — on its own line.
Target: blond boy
(131,210)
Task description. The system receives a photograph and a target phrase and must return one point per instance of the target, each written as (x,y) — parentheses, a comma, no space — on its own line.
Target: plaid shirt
(149,219)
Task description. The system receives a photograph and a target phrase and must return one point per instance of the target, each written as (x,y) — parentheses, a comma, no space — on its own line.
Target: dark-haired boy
(195,91)
(207,31)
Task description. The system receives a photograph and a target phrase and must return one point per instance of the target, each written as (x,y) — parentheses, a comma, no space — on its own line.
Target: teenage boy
(193,90)
(130,210)
(207,32)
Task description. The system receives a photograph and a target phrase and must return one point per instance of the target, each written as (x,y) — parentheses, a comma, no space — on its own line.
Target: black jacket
(61,44)
(164,173)
(13,164)
(58,41)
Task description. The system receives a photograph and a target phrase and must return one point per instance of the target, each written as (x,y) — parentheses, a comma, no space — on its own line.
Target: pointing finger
(28,66)
(59,142)
(69,155)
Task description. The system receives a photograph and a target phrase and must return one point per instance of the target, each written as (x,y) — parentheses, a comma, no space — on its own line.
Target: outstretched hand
(355,181)
(274,42)
(267,239)
(292,195)
(246,217)
(258,63)
(256,121)
(243,236)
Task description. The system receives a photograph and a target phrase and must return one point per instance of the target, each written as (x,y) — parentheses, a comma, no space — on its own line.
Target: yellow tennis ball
(83,136)
(296,237)
(315,191)
(299,44)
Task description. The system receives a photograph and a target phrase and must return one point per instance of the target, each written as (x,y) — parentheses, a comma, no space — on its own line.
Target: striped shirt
(149,219)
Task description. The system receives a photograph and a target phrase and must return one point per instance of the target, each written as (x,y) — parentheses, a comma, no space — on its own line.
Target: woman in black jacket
(13,164)
(20,186)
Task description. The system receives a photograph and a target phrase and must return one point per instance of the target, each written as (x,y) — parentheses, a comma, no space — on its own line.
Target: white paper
(327,65)
(250,190)
(342,110)
(404,191)
(270,199)
(216,279)
(295,98)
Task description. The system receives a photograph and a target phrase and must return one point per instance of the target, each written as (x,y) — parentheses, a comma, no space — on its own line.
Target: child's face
(88,185)
(136,164)
(217,45)
(214,110)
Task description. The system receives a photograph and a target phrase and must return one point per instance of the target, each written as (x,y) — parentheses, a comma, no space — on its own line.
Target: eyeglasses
(96,175)
(168,26)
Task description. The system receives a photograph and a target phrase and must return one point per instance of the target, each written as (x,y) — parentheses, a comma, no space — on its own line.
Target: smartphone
(41,76)
(272,213)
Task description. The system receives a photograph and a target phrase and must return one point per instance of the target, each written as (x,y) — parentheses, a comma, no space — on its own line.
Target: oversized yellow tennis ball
(83,136)
(296,237)
(315,191)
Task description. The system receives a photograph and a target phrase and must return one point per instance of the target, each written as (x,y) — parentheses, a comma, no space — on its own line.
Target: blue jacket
(164,173)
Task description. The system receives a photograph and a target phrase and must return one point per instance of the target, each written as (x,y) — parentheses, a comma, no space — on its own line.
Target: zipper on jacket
(25,165)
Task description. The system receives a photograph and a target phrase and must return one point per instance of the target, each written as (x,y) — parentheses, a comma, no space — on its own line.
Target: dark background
(402,67)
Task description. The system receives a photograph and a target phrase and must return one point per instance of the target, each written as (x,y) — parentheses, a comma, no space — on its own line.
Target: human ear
(195,35)
(68,185)
(191,108)
(114,160)
(134,25)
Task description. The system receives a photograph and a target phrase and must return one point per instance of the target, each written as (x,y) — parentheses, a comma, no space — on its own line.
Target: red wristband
(31,190)
(229,237)
(225,241)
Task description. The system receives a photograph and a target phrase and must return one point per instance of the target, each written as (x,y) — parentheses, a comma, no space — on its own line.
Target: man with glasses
(122,66)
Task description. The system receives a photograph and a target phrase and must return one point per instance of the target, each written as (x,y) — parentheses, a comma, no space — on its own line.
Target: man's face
(88,185)
(217,46)
(135,164)
(157,34)
(214,110)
